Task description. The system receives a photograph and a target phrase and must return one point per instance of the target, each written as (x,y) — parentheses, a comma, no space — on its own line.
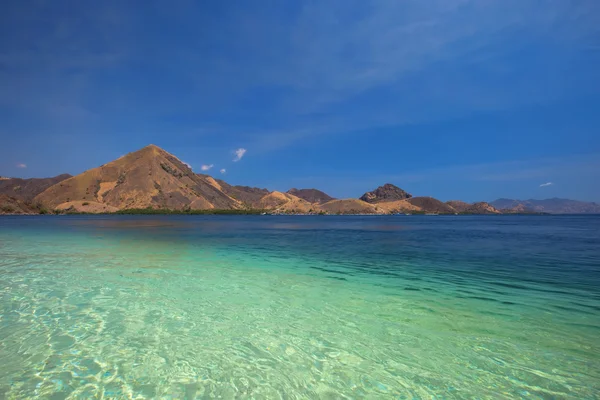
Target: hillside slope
(248,196)
(349,206)
(311,195)
(285,202)
(476,208)
(27,189)
(431,205)
(12,205)
(149,177)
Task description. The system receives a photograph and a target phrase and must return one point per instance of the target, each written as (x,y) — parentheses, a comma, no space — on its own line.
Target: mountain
(149,177)
(311,195)
(27,189)
(551,206)
(387,192)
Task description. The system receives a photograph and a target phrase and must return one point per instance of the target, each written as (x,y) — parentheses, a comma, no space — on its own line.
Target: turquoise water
(300,307)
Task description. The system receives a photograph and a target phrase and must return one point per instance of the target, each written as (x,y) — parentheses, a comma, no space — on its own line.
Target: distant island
(153,181)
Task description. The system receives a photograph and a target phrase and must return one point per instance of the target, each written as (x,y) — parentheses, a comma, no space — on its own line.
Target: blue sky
(456,99)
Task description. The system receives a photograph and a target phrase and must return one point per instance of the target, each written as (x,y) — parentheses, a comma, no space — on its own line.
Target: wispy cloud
(239,154)
(546,184)
(21,165)
(206,167)
(223,170)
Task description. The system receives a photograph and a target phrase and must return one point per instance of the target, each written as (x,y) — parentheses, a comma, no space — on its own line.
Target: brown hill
(27,189)
(249,196)
(398,206)
(149,177)
(285,202)
(431,205)
(387,192)
(311,195)
(349,206)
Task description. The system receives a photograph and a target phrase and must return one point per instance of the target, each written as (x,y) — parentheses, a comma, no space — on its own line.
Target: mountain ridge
(553,205)
(152,178)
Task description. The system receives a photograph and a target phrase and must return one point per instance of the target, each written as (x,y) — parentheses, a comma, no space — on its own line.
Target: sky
(456,99)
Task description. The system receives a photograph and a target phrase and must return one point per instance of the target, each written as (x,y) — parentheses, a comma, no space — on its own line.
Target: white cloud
(206,167)
(223,170)
(239,153)
(546,184)
(21,165)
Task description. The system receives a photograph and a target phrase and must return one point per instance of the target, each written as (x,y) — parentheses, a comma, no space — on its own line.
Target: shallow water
(300,307)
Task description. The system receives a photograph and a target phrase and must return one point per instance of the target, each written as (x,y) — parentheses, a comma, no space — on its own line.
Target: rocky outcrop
(387,192)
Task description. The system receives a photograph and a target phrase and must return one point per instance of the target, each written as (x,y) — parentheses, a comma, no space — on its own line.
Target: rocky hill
(551,206)
(387,192)
(149,177)
(311,195)
(27,189)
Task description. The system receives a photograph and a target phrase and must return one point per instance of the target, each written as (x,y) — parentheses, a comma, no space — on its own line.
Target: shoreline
(268,214)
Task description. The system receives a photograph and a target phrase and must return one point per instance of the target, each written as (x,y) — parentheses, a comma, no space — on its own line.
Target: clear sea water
(407,307)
